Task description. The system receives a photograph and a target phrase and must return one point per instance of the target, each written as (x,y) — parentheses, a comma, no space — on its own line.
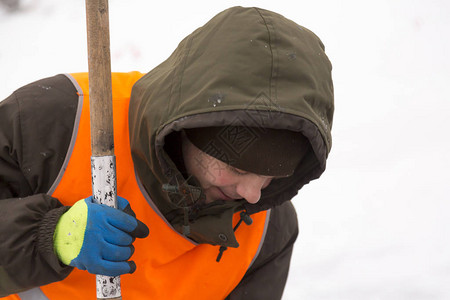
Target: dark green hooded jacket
(246,67)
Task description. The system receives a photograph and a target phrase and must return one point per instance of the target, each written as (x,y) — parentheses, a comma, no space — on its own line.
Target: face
(219,180)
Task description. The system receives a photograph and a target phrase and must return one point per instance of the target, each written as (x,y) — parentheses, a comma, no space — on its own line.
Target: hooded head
(246,68)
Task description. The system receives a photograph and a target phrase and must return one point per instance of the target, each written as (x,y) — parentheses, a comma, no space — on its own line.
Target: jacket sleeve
(27,258)
(266,278)
(36,124)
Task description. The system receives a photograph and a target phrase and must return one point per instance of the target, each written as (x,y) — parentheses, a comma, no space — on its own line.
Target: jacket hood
(246,67)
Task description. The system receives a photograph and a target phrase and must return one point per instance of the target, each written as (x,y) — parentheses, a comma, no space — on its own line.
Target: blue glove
(98,238)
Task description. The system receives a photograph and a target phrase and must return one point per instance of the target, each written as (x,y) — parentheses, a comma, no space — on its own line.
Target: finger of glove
(103,218)
(132,266)
(141,230)
(117,236)
(129,211)
(112,224)
(118,218)
(125,206)
(110,268)
(122,203)
(127,223)
(116,253)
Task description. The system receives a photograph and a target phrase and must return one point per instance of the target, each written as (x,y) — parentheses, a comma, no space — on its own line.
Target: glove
(98,238)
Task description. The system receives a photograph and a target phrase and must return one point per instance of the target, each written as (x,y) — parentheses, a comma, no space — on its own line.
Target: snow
(375,225)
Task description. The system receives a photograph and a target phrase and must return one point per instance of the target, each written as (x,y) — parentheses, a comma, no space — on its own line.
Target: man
(211,146)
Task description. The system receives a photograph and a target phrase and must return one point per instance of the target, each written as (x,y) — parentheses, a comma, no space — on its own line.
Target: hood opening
(280,190)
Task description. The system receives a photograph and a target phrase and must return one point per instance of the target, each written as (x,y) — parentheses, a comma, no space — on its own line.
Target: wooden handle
(100,90)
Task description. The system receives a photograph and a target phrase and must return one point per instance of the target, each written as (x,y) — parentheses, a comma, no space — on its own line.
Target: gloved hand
(98,238)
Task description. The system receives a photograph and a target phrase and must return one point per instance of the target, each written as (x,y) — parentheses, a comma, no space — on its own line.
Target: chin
(210,198)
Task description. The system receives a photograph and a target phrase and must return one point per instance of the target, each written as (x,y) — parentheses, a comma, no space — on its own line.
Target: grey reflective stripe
(33,294)
(74,135)
(266,225)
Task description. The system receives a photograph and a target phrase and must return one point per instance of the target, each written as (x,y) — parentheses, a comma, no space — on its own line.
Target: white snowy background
(376,224)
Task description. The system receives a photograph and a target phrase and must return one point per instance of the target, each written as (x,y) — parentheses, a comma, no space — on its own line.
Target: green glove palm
(98,238)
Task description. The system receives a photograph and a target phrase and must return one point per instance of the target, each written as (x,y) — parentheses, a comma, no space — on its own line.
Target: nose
(250,187)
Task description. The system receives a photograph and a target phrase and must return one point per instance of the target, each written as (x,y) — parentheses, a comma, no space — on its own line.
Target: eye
(237,171)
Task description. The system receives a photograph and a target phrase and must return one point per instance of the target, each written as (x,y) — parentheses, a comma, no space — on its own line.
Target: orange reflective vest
(169,266)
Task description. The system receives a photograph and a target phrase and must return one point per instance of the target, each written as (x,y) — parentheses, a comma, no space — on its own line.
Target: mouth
(225,196)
